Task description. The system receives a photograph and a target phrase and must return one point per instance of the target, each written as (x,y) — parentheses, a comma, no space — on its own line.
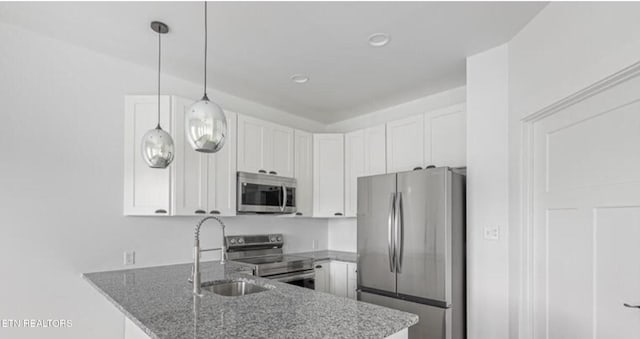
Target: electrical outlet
(492,233)
(129,257)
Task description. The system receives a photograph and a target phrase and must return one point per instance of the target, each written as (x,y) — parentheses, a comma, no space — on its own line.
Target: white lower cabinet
(322,276)
(343,280)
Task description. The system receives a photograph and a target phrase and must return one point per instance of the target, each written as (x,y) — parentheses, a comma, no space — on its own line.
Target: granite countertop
(160,302)
(329,255)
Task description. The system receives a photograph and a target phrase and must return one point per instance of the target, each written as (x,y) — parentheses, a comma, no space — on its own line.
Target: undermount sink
(232,288)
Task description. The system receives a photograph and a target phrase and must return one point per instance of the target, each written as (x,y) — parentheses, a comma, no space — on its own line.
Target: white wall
(343,234)
(418,106)
(487,194)
(569,46)
(61,178)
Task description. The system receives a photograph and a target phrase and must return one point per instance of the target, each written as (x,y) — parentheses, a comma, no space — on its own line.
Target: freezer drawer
(434,322)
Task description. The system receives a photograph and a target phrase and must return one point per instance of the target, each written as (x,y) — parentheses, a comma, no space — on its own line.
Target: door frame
(522,244)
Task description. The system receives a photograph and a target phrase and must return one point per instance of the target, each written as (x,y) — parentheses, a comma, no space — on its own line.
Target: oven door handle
(292,277)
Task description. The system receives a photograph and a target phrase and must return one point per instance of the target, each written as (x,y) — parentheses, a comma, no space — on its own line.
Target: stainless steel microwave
(265,193)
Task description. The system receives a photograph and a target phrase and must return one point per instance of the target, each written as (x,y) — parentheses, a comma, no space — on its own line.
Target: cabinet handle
(273,172)
(298,213)
(214,212)
(161,211)
(337,213)
(631,306)
(430,166)
(262,171)
(318,266)
(200,212)
(417,168)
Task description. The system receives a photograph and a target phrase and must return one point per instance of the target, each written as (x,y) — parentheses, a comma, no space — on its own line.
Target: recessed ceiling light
(379,39)
(299,78)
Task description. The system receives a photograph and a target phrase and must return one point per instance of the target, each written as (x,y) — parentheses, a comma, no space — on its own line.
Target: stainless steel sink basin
(232,288)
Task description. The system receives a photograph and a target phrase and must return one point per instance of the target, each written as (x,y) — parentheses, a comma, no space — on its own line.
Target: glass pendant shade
(206,126)
(157,148)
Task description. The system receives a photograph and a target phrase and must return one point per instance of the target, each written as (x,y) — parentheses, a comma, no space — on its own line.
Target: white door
(445,137)
(354,167)
(221,182)
(405,144)
(328,175)
(253,144)
(303,172)
(586,218)
(282,151)
(147,190)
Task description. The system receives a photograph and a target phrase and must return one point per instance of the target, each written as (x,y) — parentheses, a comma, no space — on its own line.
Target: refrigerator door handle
(390,222)
(399,232)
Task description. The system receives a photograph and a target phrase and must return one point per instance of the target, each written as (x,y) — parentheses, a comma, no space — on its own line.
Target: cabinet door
(147,190)
(328,175)
(322,277)
(352,280)
(222,173)
(189,180)
(354,167)
(375,144)
(339,281)
(303,169)
(253,143)
(405,144)
(282,151)
(446,137)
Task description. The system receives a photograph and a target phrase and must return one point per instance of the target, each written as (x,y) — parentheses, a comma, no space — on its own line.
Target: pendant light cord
(205,49)
(159,56)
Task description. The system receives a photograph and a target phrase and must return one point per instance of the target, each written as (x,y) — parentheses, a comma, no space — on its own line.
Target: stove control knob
(240,240)
(272,238)
(232,240)
(279,238)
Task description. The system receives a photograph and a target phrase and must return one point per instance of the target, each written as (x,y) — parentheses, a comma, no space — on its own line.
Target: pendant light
(157,145)
(206,124)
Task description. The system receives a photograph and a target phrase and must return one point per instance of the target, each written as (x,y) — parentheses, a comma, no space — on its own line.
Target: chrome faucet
(195,272)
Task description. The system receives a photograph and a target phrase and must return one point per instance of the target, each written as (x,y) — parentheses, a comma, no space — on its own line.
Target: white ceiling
(254,47)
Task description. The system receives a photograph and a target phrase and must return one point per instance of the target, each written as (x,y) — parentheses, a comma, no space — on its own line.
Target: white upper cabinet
(195,183)
(202,183)
(446,137)
(303,156)
(221,174)
(405,144)
(328,175)
(365,154)
(282,154)
(354,167)
(264,147)
(147,190)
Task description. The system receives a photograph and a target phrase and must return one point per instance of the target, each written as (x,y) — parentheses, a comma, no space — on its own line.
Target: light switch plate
(129,257)
(492,233)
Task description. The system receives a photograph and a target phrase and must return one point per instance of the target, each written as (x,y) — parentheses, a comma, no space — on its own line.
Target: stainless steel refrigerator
(411,247)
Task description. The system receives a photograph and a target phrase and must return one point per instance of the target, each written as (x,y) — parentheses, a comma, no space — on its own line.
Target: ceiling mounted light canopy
(379,39)
(157,145)
(299,78)
(206,124)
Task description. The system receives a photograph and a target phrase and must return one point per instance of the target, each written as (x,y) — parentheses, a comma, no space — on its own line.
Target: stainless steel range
(263,253)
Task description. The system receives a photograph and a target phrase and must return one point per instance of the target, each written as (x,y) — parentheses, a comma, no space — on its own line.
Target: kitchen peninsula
(158,303)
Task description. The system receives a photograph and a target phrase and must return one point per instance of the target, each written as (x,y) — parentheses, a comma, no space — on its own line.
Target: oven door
(262,193)
(304,279)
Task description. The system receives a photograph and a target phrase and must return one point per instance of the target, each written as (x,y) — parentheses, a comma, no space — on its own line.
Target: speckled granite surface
(159,301)
(330,255)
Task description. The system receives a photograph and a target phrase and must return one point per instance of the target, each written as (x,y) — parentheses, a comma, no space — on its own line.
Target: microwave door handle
(284,197)
(390,221)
